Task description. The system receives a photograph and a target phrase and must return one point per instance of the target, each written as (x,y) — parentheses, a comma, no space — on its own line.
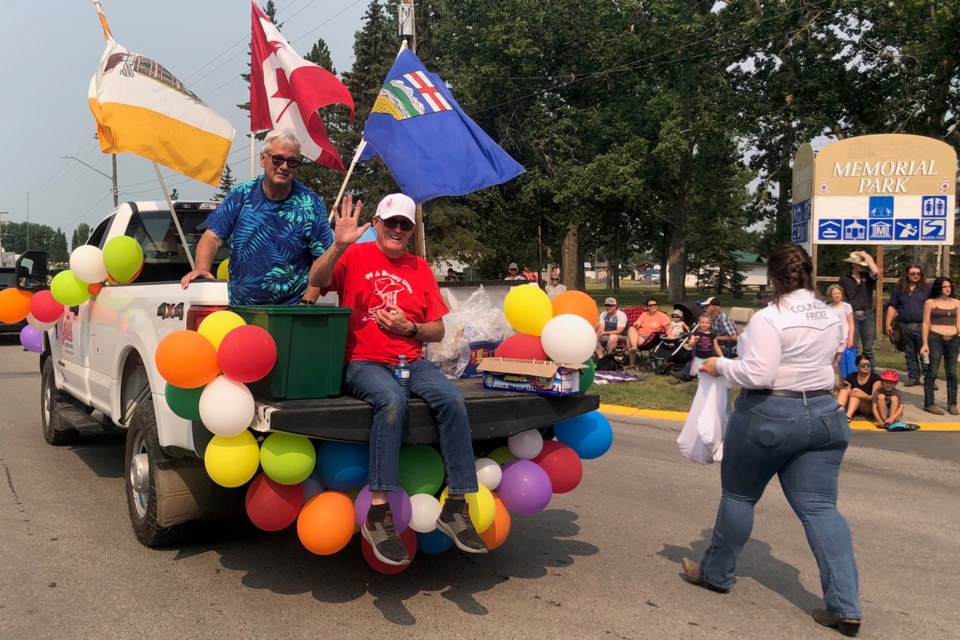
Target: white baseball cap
(397,204)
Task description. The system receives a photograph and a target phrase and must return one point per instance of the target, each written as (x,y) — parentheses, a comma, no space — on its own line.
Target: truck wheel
(145,461)
(55,430)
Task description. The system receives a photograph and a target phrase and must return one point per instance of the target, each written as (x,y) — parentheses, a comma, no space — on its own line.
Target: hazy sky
(51,50)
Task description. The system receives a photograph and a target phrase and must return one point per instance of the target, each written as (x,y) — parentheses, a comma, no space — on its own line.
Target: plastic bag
(701,439)
(478,320)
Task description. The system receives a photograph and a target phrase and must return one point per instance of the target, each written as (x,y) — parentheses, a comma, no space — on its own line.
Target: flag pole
(406,16)
(346,178)
(173,214)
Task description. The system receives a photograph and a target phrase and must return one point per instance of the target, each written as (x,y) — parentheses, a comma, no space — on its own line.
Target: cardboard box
(478,351)
(531,376)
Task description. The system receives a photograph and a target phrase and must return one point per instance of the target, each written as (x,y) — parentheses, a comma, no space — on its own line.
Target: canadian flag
(286,91)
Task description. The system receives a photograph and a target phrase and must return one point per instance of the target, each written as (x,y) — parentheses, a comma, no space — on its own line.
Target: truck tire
(146,462)
(55,430)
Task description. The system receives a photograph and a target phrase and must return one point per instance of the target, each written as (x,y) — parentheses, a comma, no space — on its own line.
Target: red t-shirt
(367,280)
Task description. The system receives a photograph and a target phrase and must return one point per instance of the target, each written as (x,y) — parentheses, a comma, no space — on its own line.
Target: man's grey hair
(281,136)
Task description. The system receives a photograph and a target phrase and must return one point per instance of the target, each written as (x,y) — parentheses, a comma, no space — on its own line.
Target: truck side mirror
(32,271)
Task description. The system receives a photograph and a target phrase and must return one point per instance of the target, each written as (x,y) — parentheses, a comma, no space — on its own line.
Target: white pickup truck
(98,371)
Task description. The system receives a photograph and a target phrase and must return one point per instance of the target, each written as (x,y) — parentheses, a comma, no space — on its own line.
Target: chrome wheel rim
(139,479)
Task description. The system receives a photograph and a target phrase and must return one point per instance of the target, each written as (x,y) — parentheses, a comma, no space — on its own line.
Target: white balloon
(36,324)
(568,338)
(226,407)
(526,445)
(489,473)
(86,262)
(425,509)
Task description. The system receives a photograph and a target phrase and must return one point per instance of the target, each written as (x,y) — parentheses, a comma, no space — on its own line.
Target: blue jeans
(802,442)
(948,351)
(865,332)
(374,383)
(912,341)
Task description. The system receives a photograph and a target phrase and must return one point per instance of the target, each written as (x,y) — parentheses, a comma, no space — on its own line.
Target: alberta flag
(428,143)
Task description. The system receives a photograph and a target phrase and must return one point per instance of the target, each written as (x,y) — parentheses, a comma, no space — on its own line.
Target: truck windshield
(164,256)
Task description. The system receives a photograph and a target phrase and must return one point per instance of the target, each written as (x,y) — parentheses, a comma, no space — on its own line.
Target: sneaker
(455,522)
(385,541)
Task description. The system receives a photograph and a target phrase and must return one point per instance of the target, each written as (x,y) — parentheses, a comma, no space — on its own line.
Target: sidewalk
(912,398)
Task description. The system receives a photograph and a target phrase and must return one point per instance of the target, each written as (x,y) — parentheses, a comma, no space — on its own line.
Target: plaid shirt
(722,325)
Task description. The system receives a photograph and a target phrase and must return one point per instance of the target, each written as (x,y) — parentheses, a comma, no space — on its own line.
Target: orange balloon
(94,288)
(579,304)
(325,524)
(187,360)
(14,305)
(496,534)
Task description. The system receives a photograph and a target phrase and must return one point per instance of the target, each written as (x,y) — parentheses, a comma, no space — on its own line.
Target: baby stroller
(669,354)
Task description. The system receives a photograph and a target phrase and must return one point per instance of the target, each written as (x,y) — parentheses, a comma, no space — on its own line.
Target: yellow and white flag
(141,108)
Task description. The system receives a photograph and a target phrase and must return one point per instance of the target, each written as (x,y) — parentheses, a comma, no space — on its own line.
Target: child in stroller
(670,355)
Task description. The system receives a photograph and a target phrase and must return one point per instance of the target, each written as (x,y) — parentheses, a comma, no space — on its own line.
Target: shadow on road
(755,562)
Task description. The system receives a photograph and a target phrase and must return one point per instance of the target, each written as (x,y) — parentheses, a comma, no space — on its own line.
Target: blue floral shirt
(273,243)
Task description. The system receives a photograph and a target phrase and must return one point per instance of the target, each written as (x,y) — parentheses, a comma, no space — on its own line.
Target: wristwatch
(413,331)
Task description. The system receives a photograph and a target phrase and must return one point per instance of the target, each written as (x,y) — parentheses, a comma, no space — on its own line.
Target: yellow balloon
(218,324)
(482,507)
(232,461)
(223,271)
(527,309)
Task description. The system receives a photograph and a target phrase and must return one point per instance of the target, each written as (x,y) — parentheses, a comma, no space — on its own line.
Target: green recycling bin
(310,345)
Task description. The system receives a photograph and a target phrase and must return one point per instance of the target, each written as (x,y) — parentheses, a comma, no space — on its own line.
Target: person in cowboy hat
(858,288)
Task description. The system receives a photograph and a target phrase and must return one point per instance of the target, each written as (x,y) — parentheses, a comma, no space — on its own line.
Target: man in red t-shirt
(397,307)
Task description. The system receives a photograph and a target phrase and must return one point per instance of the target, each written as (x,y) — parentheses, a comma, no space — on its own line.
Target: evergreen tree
(226,184)
(80,235)
(174,195)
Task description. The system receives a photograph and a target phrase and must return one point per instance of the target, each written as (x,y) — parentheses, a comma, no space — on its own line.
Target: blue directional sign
(906,229)
(800,233)
(800,212)
(933,206)
(933,229)
(881,207)
(855,230)
(829,229)
(880,229)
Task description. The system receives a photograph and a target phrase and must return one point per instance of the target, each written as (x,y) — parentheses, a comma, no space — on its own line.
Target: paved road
(601,562)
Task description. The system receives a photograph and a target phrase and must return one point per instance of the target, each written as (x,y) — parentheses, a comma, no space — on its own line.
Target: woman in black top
(856,391)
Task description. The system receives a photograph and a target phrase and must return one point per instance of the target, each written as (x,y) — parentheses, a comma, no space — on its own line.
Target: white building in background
(753,266)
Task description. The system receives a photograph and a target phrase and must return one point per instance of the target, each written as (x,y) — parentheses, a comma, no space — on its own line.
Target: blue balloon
(343,465)
(368,236)
(433,543)
(590,435)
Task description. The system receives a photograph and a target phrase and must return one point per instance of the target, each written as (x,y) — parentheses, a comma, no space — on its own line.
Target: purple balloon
(526,488)
(31,339)
(399,503)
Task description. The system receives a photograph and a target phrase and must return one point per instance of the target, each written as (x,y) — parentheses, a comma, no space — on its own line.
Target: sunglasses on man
(397,221)
(278,161)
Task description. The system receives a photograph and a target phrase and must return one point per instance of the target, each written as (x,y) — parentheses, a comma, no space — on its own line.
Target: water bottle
(925,359)
(402,375)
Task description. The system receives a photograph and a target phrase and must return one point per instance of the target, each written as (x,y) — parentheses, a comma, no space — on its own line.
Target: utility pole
(27,247)
(408,33)
(112,179)
(2,213)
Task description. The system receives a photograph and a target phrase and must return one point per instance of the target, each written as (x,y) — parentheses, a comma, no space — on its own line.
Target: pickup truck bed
(493,414)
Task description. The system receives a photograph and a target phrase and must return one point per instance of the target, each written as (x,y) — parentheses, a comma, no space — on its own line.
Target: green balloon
(123,257)
(287,458)
(501,455)
(69,290)
(587,375)
(421,469)
(184,402)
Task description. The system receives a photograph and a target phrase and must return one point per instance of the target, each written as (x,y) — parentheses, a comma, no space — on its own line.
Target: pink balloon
(399,502)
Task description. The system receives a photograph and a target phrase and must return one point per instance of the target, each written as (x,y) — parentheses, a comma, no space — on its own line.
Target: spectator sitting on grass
(856,391)
(887,401)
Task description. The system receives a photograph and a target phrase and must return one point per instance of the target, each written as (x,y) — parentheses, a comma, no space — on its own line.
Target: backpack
(609,362)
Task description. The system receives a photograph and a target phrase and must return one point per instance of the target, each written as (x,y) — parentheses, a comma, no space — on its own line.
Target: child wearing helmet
(887,401)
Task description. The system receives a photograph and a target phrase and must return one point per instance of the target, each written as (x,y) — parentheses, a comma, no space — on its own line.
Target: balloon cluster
(323,489)
(561,329)
(120,262)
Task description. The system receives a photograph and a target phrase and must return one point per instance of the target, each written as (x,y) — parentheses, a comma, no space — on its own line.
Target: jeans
(912,341)
(865,332)
(948,350)
(803,442)
(374,383)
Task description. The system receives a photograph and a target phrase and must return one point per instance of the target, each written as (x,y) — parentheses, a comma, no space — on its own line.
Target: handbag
(701,439)
(896,335)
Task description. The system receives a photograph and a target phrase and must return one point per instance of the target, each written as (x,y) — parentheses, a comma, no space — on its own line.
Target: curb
(681,416)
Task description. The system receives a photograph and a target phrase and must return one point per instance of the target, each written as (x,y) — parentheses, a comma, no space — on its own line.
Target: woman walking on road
(941,326)
(786,423)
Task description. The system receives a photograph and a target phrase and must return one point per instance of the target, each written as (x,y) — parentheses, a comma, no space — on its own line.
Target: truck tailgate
(493,414)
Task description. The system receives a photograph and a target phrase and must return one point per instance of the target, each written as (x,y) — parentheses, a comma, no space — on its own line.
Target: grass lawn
(657,392)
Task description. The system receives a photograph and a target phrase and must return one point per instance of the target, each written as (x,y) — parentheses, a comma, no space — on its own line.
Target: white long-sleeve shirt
(790,346)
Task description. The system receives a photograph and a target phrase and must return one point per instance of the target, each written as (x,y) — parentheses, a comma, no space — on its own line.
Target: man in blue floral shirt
(278,228)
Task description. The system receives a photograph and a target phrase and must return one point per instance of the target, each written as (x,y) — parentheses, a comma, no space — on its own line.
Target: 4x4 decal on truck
(167,311)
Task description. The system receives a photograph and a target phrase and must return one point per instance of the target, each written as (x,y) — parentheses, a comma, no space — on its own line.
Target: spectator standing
(553,287)
(723,327)
(906,305)
(529,275)
(513,273)
(786,424)
(452,276)
(845,312)
(858,288)
(941,325)
(703,343)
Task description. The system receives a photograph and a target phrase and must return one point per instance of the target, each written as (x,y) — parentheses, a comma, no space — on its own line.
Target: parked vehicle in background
(8,278)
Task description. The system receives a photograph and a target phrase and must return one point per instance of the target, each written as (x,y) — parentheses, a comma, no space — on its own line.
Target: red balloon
(409,540)
(272,506)
(247,353)
(521,346)
(94,288)
(44,308)
(562,465)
